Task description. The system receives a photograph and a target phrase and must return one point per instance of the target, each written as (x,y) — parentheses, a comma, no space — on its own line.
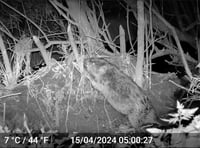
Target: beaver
(120,91)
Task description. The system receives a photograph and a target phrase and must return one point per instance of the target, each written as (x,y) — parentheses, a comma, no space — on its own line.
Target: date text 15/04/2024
(112,139)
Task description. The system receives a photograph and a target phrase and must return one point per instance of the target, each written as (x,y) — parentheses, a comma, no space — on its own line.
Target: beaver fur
(120,91)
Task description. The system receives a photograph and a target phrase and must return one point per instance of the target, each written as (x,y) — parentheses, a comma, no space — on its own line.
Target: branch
(5,58)
(140,34)
(71,40)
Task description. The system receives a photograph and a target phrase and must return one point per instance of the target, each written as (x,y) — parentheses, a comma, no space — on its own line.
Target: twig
(7,65)
(9,95)
(128,27)
(182,87)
